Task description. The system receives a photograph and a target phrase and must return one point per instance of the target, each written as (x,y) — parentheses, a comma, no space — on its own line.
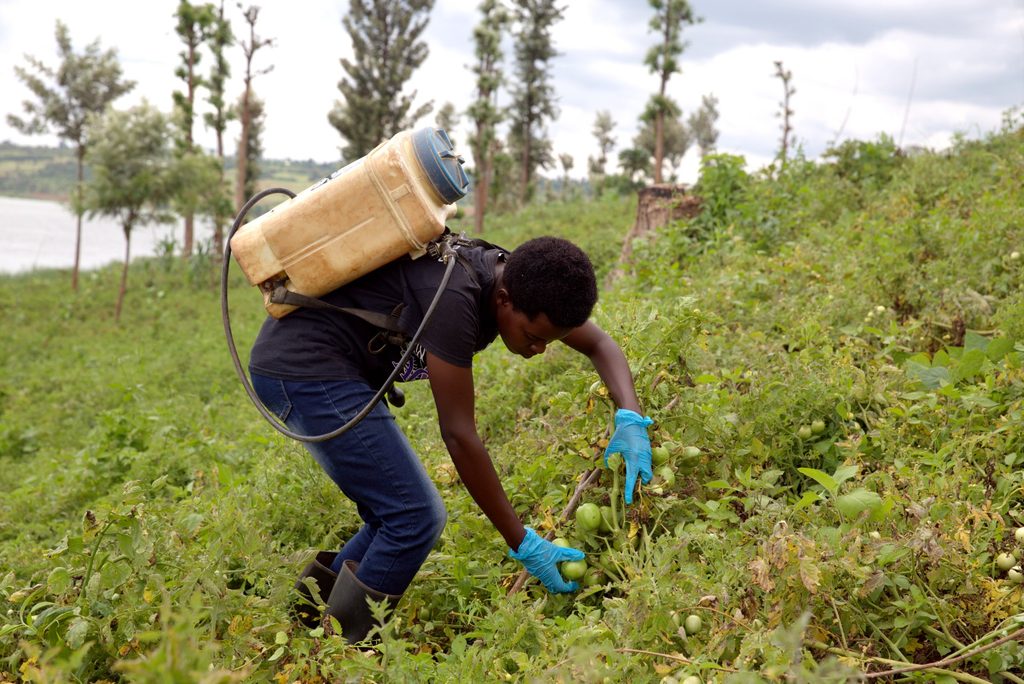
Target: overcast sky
(919,70)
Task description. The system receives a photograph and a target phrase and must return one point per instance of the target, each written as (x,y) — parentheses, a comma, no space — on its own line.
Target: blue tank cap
(436,154)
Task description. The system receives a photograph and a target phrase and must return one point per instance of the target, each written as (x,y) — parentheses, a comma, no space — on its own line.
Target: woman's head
(547,289)
(552,276)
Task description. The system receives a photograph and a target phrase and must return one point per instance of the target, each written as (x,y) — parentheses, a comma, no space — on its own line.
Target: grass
(152,526)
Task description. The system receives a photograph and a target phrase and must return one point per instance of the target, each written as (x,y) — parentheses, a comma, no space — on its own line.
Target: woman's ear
(501,297)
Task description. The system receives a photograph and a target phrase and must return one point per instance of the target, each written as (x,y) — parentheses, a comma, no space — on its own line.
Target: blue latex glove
(541,558)
(631,440)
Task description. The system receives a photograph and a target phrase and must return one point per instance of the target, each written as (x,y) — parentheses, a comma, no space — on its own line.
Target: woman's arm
(609,361)
(452,387)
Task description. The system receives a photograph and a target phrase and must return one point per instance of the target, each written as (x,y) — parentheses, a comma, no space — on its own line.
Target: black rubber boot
(307,608)
(348,605)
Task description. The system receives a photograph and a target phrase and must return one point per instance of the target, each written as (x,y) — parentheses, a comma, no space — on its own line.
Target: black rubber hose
(448,256)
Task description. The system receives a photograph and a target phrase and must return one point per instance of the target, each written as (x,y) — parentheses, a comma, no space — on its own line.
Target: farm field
(834,360)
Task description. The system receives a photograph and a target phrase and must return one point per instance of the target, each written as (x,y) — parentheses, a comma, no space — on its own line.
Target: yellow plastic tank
(390,203)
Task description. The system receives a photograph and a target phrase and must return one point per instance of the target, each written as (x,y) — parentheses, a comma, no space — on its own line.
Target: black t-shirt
(319,344)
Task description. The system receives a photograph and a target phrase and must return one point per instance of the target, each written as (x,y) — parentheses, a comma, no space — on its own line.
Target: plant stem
(971,679)
(614,500)
(886,639)
(839,621)
(92,558)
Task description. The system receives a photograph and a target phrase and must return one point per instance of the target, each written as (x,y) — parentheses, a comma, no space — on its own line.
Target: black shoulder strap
(456,241)
(395,334)
(388,322)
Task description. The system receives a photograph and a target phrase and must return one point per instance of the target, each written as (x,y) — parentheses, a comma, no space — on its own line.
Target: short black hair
(552,276)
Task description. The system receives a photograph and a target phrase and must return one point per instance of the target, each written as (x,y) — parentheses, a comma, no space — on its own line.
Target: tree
(533,97)
(83,84)
(567,162)
(785,112)
(198,181)
(676,139)
(447,118)
(131,173)
(484,110)
(663,59)
(253,150)
(221,37)
(195,22)
(246,105)
(386,50)
(702,125)
(635,161)
(597,166)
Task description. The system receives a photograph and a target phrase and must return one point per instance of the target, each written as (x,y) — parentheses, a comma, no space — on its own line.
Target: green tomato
(606,519)
(1015,575)
(574,570)
(1019,535)
(595,577)
(804,432)
(817,426)
(659,455)
(588,517)
(1005,561)
(691,452)
(693,624)
(692,679)
(667,475)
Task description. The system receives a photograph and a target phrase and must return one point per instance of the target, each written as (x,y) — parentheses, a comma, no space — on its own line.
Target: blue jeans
(374,465)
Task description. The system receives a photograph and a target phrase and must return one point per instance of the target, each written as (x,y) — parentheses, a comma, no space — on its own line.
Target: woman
(317,368)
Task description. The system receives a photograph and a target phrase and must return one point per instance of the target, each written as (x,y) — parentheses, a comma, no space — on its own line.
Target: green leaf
(932,378)
(77,632)
(883,511)
(844,473)
(824,479)
(856,502)
(978,400)
(998,348)
(975,342)
(970,364)
(58,580)
(718,484)
(276,654)
(808,499)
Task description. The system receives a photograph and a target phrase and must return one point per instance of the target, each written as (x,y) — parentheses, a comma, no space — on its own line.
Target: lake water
(41,234)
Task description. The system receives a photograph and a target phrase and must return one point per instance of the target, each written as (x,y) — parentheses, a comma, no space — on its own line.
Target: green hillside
(49,172)
(834,362)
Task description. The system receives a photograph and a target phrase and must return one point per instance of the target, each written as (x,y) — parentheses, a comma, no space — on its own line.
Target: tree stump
(657,206)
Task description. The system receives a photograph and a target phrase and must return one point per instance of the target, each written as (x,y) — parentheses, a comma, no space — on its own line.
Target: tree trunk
(482,189)
(243,154)
(186,248)
(524,172)
(657,206)
(124,271)
(218,221)
(659,145)
(80,154)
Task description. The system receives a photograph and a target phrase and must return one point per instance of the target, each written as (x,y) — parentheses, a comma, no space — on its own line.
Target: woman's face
(521,335)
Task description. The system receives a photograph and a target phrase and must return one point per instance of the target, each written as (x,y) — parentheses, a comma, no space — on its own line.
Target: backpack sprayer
(392,202)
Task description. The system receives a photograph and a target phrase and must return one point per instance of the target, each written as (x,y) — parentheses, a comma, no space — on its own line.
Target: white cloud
(853,64)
